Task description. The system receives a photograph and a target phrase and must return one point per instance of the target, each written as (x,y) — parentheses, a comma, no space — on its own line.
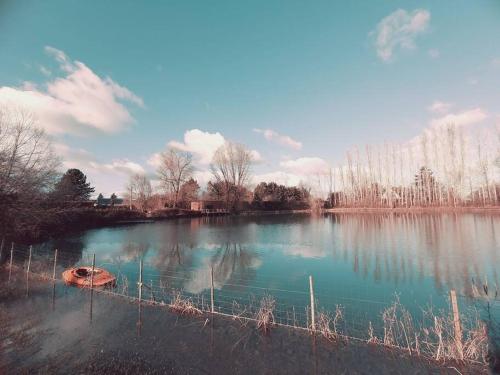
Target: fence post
(311,292)
(139,284)
(54,282)
(92,287)
(212,289)
(92,274)
(11,256)
(1,248)
(55,263)
(28,270)
(456,322)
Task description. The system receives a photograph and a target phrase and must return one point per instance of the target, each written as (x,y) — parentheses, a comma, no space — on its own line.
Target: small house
(208,205)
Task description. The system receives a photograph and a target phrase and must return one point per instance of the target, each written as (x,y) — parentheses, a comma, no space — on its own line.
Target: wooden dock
(218,211)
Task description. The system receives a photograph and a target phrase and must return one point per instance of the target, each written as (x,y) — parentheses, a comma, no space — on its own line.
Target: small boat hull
(82,277)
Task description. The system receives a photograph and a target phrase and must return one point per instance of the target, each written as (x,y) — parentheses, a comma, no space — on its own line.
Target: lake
(359,261)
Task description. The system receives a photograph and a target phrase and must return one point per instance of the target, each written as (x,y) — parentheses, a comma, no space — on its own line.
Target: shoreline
(434,210)
(83,220)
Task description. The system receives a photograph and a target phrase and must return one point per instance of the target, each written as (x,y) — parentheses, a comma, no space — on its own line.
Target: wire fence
(238,297)
(366,319)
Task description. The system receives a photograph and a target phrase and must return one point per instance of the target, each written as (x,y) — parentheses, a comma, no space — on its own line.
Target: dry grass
(183,305)
(325,326)
(265,315)
(372,339)
(434,337)
(330,327)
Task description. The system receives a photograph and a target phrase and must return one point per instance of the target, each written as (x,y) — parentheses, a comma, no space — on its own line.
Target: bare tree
(140,187)
(175,169)
(231,166)
(28,167)
(27,160)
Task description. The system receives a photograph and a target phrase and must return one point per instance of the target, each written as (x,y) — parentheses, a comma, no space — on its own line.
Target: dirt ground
(52,331)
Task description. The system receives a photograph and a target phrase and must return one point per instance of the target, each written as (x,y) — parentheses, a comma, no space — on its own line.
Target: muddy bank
(53,331)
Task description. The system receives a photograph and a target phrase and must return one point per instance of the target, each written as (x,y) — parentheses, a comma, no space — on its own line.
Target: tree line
(231,183)
(441,168)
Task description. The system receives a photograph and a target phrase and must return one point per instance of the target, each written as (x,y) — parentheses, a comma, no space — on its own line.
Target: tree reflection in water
(412,251)
(402,248)
(234,264)
(70,250)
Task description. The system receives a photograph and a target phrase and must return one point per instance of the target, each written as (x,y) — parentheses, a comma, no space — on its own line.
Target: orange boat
(82,276)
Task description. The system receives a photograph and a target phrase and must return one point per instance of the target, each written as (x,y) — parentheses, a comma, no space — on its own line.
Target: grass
(328,326)
(435,336)
(265,316)
(183,305)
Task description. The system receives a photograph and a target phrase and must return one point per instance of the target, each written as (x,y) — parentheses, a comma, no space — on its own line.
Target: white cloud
(154,160)
(468,117)
(280,177)
(306,166)
(46,72)
(202,176)
(256,156)
(399,31)
(439,107)
(81,158)
(201,144)
(124,166)
(284,140)
(107,177)
(75,103)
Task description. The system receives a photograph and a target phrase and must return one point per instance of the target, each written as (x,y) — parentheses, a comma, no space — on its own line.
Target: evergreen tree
(189,191)
(73,186)
(100,199)
(426,185)
(113,199)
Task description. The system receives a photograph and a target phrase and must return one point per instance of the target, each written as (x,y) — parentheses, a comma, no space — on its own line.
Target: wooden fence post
(456,323)
(212,289)
(311,292)
(139,284)
(92,286)
(55,263)
(11,256)
(28,270)
(1,248)
(92,274)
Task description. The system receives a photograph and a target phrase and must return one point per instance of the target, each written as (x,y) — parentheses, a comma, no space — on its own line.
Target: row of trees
(230,168)
(231,178)
(444,167)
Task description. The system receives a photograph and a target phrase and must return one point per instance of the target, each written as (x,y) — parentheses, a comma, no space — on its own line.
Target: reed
(183,305)
(434,337)
(265,316)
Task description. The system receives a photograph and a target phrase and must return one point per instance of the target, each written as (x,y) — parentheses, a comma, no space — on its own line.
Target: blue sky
(114,82)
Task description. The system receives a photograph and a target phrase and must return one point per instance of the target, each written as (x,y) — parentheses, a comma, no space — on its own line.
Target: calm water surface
(359,261)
